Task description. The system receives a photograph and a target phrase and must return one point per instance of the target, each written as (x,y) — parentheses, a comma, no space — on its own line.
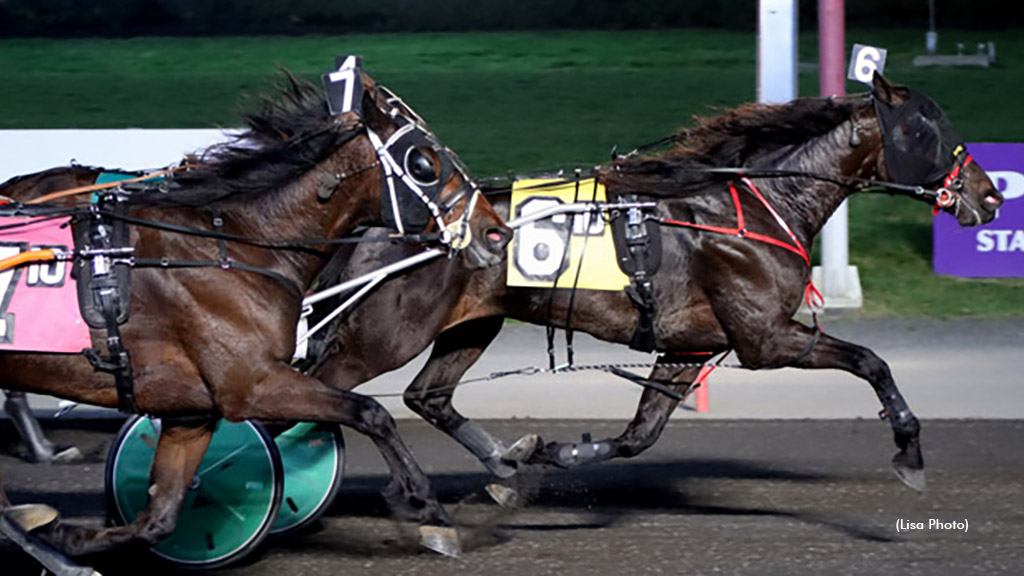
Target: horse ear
(886,91)
(881,87)
(371,111)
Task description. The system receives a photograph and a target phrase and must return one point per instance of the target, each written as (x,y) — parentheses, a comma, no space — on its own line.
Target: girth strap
(107,296)
(118,362)
(638,249)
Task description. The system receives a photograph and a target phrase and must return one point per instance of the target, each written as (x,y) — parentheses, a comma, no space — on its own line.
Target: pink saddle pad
(39,310)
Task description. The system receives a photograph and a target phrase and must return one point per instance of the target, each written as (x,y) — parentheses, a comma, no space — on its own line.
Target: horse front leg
(643,431)
(790,348)
(431,393)
(283,394)
(179,451)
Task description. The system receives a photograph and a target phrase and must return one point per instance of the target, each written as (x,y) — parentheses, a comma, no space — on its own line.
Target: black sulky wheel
(229,509)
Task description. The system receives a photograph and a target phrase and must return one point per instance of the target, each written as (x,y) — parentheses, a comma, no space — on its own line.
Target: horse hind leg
(179,451)
(641,433)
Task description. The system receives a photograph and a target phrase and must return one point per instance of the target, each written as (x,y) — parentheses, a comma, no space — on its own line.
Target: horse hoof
(910,476)
(68,455)
(441,539)
(499,468)
(522,449)
(505,497)
(32,517)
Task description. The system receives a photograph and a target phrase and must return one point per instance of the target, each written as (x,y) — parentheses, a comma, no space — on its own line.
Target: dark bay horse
(714,292)
(207,343)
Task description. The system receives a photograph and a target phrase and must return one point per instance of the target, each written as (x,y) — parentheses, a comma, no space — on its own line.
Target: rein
(943,197)
(268,243)
(96,187)
(550,328)
(225,264)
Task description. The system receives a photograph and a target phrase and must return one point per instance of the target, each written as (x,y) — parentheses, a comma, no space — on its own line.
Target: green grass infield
(531,101)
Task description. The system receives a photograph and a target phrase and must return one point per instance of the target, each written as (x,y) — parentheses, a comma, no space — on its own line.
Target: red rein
(812,296)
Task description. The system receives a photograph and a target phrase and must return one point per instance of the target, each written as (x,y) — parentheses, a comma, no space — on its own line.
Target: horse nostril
(993,200)
(497,236)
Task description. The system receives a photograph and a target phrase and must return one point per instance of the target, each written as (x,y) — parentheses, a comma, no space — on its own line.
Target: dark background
(62,18)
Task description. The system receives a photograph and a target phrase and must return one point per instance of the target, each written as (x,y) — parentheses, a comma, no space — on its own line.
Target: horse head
(921,149)
(425,185)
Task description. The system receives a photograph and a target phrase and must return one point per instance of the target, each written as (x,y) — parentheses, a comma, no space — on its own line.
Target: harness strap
(812,296)
(945,197)
(270,243)
(218,227)
(741,230)
(569,332)
(393,169)
(957,169)
(641,288)
(808,347)
(566,253)
(227,264)
(95,187)
(106,293)
(549,332)
(118,362)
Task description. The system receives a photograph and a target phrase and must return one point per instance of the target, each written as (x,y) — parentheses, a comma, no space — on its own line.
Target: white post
(777,51)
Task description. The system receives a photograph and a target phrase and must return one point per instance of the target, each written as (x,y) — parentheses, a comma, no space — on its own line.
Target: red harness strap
(945,197)
(812,296)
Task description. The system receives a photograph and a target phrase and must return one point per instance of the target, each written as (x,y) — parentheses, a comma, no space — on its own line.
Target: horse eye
(420,166)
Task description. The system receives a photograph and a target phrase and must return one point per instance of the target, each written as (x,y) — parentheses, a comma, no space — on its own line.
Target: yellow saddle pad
(548,252)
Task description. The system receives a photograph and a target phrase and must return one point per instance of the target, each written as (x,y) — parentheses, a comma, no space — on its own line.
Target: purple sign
(995,250)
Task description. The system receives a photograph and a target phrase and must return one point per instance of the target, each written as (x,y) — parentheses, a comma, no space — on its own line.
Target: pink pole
(832,47)
(703,398)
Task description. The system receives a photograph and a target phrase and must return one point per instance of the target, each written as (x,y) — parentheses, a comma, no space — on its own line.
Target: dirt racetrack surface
(712,497)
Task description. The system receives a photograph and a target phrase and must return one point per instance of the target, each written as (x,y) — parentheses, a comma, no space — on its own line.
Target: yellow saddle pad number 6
(547,253)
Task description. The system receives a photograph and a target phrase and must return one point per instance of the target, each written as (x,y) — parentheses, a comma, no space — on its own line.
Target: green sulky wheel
(230,507)
(314,465)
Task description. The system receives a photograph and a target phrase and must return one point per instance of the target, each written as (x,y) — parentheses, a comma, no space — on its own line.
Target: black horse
(716,291)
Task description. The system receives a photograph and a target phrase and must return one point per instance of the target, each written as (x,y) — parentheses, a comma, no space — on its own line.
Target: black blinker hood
(413,210)
(921,146)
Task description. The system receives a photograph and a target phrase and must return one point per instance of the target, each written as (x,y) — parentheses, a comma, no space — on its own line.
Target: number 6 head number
(864,62)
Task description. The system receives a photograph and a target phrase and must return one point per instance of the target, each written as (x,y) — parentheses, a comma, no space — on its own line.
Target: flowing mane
(735,139)
(285,137)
